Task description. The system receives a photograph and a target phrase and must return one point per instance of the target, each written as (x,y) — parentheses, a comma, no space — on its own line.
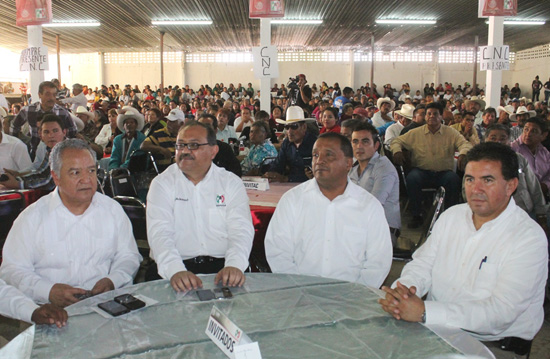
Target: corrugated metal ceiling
(348,25)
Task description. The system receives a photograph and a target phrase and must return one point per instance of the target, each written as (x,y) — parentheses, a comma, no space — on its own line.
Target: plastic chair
(135,210)
(431,217)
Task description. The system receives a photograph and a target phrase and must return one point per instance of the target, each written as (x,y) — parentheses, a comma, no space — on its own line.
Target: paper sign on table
(256,183)
(248,351)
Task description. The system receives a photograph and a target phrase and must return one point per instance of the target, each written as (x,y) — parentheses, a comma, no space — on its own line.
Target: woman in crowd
(329,119)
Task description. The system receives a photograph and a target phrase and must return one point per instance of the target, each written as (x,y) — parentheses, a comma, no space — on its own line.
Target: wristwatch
(423,318)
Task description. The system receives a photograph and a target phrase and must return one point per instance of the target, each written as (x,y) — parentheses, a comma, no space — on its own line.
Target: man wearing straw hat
(295,152)
(475,105)
(406,112)
(385,106)
(130,122)
(521,116)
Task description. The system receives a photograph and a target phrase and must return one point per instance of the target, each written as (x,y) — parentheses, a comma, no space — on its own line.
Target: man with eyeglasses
(198,217)
(294,157)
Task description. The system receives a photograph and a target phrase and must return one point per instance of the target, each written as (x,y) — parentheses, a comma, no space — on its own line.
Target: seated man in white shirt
(376,174)
(74,241)
(198,217)
(329,226)
(225,132)
(13,154)
(17,305)
(484,267)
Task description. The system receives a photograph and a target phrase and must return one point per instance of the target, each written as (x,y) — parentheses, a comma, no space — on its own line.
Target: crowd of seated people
(380,133)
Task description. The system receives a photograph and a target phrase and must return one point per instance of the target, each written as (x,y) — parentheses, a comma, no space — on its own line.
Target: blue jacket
(118,149)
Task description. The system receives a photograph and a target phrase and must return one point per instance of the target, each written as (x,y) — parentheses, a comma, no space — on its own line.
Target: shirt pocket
(486,279)
(217,223)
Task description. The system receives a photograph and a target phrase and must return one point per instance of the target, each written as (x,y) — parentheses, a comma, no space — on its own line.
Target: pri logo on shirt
(220,200)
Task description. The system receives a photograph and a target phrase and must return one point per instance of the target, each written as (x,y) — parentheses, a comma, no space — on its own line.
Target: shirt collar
(508,211)
(427,130)
(56,202)
(312,185)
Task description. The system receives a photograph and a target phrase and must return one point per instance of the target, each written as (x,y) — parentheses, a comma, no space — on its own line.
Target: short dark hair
(468,113)
(497,127)
(261,116)
(157,112)
(45,84)
(345,145)
(347,90)
(351,123)
(365,126)
(435,105)
(210,133)
(334,111)
(489,110)
(493,151)
(419,107)
(52,118)
(264,125)
(539,122)
(212,117)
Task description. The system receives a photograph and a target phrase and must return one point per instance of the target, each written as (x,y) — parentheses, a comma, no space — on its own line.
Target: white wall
(142,74)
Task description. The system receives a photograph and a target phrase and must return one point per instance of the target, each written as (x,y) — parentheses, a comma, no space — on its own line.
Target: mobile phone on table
(129,301)
(205,295)
(113,308)
(223,292)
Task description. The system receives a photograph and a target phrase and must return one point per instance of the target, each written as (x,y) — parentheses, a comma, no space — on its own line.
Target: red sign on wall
(266,8)
(33,12)
(498,8)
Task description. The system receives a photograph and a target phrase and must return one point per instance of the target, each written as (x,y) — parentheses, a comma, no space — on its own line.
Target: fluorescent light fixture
(73,24)
(297,22)
(405,22)
(182,22)
(522,22)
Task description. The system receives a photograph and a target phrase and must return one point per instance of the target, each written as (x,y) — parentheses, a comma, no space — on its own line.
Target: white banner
(495,58)
(34,59)
(266,64)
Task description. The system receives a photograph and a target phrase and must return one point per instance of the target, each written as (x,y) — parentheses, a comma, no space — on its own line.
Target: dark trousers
(417,179)
(207,267)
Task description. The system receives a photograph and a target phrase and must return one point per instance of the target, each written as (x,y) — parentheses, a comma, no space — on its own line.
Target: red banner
(33,12)
(498,8)
(266,8)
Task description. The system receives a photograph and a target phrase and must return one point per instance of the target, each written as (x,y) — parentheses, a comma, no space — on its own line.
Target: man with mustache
(329,226)
(198,218)
(485,264)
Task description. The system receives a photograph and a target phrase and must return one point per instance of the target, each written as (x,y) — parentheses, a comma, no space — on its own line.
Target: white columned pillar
(265,83)
(101,68)
(494,77)
(34,37)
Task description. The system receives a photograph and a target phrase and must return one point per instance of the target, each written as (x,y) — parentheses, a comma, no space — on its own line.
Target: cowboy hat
(406,111)
(476,100)
(521,111)
(294,114)
(3,112)
(382,100)
(78,122)
(130,112)
(84,111)
(509,109)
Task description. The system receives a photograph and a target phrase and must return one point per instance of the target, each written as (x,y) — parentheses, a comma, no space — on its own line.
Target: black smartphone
(129,301)
(205,295)
(113,308)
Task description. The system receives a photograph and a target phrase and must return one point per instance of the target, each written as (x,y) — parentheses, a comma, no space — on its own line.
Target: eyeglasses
(190,146)
(294,126)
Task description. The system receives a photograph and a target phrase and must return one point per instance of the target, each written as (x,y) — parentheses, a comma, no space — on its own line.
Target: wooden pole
(372,66)
(58,58)
(476,49)
(162,63)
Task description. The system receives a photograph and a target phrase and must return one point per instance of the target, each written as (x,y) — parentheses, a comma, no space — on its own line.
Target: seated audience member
(155,122)
(130,123)
(340,101)
(489,117)
(348,126)
(198,218)
(376,174)
(294,156)
(488,278)
(34,113)
(244,120)
(359,113)
(306,234)
(476,106)
(504,114)
(432,148)
(56,249)
(225,157)
(419,119)
(466,128)
(163,141)
(260,150)
(108,132)
(16,305)
(521,116)
(347,112)
(406,114)
(77,100)
(385,107)
(329,118)
(52,133)
(529,145)
(13,154)
(225,132)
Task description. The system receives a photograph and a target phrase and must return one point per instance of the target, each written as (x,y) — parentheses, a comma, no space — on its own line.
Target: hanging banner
(34,58)
(266,64)
(494,58)
(497,8)
(33,12)
(266,8)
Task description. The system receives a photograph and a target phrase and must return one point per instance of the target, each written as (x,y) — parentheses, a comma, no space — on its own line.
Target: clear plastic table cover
(289,316)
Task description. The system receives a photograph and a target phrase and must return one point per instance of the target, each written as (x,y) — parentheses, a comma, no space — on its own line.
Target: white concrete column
(494,77)
(352,71)
(34,37)
(101,68)
(265,83)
